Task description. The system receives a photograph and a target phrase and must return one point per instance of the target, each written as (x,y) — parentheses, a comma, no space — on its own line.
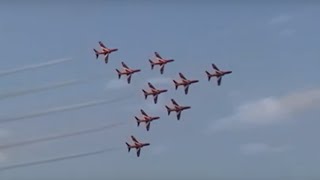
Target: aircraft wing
(151,86)
(129,79)
(179,115)
(182,76)
(186,89)
(134,139)
(174,102)
(162,69)
(148,126)
(138,152)
(215,67)
(219,81)
(157,55)
(124,65)
(155,99)
(142,112)
(102,45)
(106,58)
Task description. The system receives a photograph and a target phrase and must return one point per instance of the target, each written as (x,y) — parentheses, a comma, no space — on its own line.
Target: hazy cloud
(287,32)
(280,19)
(3,157)
(160,80)
(269,110)
(117,84)
(151,107)
(257,148)
(4,133)
(157,150)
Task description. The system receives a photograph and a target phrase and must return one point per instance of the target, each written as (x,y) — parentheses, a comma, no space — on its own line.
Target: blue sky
(261,123)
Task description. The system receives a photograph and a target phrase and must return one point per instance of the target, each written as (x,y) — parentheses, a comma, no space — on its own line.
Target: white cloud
(257,148)
(269,110)
(116,84)
(280,19)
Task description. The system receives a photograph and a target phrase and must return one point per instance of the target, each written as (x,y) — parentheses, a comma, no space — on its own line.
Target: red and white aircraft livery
(104,51)
(218,73)
(137,145)
(126,71)
(146,119)
(177,108)
(159,61)
(184,82)
(154,92)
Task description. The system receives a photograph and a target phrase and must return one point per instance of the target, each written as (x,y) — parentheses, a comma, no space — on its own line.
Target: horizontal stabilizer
(151,63)
(175,84)
(128,146)
(119,73)
(168,110)
(138,121)
(209,75)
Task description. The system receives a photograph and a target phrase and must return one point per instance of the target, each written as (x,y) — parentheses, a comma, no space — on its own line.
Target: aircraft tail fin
(176,84)
(145,94)
(168,110)
(128,146)
(119,73)
(209,75)
(96,52)
(138,121)
(152,64)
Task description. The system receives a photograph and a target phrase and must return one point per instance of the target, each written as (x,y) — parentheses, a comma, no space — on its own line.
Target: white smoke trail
(38,89)
(66,108)
(74,156)
(61,136)
(33,66)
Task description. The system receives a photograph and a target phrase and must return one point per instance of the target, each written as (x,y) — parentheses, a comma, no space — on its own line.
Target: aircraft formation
(155,92)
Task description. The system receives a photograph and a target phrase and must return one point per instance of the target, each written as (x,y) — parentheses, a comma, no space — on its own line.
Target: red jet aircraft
(184,82)
(146,119)
(154,92)
(104,51)
(218,73)
(177,108)
(126,71)
(137,145)
(160,61)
